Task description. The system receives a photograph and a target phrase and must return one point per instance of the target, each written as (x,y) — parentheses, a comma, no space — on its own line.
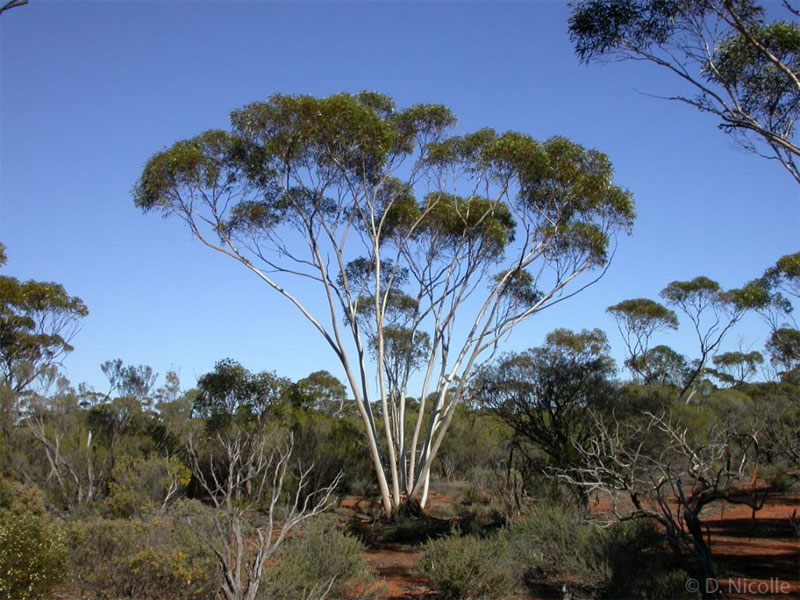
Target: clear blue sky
(91,90)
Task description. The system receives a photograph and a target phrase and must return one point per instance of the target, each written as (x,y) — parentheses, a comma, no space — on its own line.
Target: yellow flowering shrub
(32,548)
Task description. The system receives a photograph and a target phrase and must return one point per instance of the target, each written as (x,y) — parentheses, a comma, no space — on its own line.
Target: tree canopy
(37,322)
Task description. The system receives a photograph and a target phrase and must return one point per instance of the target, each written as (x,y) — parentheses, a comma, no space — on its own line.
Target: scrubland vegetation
(425,247)
(558,470)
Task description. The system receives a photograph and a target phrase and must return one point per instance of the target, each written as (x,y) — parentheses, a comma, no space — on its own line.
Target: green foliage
(646,313)
(354,138)
(599,27)
(201,161)
(581,345)
(141,559)
(564,183)
(697,291)
(37,321)
(319,559)
(32,556)
(404,351)
(231,390)
(469,568)
(129,381)
(445,221)
(451,219)
(554,539)
(142,484)
(326,444)
(737,367)
(354,132)
(520,287)
(19,499)
(732,408)
(543,393)
(319,390)
(785,275)
(477,440)
(784,348)
(660,365)
(32,549)
(762,87)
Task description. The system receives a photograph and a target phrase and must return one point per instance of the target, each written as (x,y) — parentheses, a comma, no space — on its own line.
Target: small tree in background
(37,323)
(637,320)
(712,312)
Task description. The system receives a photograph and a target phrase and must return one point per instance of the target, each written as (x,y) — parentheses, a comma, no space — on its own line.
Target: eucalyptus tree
(408,248)
(772,296)
(742,68)
(736,368)
(637,320)
(664,366)
(38,320)
(232,390)
(712,311)
(784,350)
(129,381)
(321,391)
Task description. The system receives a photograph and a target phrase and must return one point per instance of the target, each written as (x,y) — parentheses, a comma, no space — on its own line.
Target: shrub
(469,568)
(32,549)
(625,560)
(18,499)
(637,565)
(32,556)
(141,484)
(147,559)
(554,540)
(320,560)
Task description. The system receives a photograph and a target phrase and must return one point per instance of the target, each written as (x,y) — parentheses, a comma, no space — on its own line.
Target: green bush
(142,484)
(624,560)
(319,559)
(146,559)
(469,568)
(554,540)
(637,564)
(32,548)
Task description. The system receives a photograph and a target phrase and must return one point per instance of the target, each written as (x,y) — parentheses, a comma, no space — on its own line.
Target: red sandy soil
(756,558)
(396,566)
(758,555)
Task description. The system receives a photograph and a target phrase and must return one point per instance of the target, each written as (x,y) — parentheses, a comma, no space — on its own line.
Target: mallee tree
(38,320)
(413,252)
